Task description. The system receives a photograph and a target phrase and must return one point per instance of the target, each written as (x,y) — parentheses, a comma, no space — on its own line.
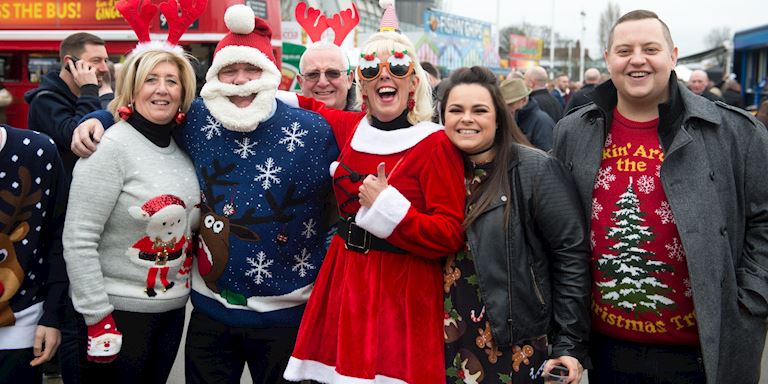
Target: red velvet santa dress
(377,317)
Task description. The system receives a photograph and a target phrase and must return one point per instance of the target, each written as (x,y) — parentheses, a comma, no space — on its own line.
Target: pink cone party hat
(389,19)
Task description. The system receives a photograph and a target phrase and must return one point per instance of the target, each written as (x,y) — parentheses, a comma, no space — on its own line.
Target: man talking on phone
(64,97)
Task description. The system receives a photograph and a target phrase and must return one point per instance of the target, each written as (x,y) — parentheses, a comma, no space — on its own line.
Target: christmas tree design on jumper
(630,276)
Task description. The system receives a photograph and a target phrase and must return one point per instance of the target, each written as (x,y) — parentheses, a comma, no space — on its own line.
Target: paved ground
(177,374)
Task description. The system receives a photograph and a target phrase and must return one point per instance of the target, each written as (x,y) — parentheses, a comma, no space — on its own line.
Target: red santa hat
(157,203)
(249,41)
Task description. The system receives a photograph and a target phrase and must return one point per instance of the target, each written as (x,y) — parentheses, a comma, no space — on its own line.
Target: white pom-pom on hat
(386,3)
(240,19)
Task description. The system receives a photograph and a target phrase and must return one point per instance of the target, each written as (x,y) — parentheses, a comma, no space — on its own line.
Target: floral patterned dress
(471,354)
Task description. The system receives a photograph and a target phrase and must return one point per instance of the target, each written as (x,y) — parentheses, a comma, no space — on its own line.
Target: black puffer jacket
(533,271)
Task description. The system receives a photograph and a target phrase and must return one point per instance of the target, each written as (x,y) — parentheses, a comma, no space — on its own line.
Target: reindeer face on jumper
(166,216)
(11,273)
(13,229)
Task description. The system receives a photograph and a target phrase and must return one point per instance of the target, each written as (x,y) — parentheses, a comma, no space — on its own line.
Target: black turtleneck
(399,122)
(159,135)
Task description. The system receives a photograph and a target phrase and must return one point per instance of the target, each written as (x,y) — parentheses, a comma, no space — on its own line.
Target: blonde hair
(137,68)
(386,42)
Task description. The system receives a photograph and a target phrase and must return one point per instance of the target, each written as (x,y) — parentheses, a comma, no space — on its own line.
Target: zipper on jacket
(536,287)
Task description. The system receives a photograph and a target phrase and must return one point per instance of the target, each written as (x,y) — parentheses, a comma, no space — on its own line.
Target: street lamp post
(552,44)
(581,48)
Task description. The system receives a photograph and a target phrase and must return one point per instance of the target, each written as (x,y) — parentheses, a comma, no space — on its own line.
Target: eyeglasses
(399,65)
(330,74)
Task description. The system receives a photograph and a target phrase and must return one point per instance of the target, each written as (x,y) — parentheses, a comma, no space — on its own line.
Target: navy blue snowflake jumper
(33,197)
(260,241)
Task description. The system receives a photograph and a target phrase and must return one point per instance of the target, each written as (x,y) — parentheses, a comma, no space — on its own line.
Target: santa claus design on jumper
(163,246)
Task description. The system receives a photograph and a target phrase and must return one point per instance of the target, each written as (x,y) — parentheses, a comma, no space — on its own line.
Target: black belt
(359,240)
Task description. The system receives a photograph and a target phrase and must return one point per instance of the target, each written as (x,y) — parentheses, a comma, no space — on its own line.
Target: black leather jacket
(535,277)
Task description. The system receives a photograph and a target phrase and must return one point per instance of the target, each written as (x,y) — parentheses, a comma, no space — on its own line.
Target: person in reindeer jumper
(263,169)
(33,279)
(130,213)
(375,314)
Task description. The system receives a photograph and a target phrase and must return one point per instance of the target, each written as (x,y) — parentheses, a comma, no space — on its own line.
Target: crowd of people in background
(385,224)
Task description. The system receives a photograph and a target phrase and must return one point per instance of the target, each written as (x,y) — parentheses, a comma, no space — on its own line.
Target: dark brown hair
(507,132)
(641,14)
(74,44)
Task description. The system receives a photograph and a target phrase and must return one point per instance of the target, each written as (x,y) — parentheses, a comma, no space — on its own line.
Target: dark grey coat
(714,176)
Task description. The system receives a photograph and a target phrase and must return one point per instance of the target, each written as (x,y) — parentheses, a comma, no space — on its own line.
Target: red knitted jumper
(641,291)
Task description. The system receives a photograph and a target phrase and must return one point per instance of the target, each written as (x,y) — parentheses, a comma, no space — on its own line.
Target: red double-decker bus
(31,31)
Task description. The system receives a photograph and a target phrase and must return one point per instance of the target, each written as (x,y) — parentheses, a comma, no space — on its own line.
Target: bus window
(10,67)
(40,65)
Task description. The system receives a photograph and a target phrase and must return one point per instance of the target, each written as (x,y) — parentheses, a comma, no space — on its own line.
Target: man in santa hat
(263,170)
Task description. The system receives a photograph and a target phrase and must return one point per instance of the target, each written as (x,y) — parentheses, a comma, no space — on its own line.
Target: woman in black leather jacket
(519,294)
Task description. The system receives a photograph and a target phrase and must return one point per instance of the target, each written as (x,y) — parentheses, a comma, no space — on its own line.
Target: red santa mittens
(104,341)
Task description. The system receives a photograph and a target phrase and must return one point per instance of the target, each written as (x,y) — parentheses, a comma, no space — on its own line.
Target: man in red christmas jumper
(676,195)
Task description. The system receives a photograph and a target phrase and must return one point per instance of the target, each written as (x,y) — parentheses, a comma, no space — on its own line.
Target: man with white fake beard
(263,171)
(264,177)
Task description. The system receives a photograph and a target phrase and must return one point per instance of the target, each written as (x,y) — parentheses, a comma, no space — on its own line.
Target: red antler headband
(314,22)
(140,13)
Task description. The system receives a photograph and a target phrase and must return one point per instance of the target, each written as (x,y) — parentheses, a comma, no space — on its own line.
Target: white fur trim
(385,214)
(368,139)
(255,303)
(239,19)
(289,98)
(333,167)
(157,45)
(298,370)
(241,54)
(386,3)
(22,334)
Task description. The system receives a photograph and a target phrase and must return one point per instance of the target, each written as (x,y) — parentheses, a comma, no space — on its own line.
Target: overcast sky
(688,20)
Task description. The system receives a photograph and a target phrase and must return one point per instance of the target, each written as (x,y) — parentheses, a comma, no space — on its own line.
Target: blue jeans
(625,362)
(74,341)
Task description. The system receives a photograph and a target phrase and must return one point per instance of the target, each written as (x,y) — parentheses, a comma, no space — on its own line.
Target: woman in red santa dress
(375,313)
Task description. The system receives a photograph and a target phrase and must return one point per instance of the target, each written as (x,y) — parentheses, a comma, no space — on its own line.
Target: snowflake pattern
(665,213)
(592,240)
(212,128)
(302,263)
(645,184)
(675,249)
(293,136)
(658,170)
(608,140)
(228,209)
(259,270)
(688,289)
(244,148)
(604,178)
(268,173)
(596,208)
(309,228)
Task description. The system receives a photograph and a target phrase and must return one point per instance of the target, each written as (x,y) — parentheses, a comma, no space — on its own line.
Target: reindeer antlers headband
(140,13)
(314,22)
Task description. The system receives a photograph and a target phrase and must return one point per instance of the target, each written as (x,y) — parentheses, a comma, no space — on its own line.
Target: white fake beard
(216,95)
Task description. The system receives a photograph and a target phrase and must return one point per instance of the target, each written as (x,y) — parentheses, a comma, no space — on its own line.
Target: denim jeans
(625,362)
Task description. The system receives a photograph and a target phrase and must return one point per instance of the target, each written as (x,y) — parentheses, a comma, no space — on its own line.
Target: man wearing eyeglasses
(325,76)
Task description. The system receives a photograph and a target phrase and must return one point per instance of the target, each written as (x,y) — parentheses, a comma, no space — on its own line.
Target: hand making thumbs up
(373,186)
